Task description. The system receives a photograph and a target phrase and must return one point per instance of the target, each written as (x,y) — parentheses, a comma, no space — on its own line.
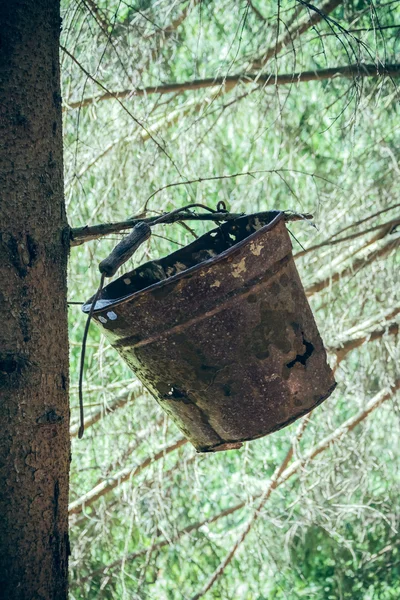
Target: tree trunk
(34,412)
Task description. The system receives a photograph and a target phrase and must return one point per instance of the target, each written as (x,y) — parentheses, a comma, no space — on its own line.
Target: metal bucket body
(221,333)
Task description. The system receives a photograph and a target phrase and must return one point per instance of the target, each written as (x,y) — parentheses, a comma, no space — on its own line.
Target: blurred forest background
(274,105)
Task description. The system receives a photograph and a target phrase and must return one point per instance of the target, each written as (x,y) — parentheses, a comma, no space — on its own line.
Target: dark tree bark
(34,412)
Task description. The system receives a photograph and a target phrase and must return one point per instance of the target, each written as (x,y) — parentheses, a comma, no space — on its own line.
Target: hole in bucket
(176,393)
(302,358)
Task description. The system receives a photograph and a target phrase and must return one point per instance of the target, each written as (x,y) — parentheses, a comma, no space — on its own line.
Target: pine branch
(177,22)
(289,472)
(346,346)
(323,445)
(132,391)
(278,472)
(291,34)
(124,108)
(228,82)
(80,235)
(170,119)
(365,219)
(273,484)
(256,11)
(139,437)
(354,267)
(111,483)
(97,14)
(261,80)
(388,227)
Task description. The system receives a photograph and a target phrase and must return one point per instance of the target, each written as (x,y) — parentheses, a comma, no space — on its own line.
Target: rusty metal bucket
(221,333)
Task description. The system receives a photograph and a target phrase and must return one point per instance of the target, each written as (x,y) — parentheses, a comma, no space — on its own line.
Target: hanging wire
(82,364)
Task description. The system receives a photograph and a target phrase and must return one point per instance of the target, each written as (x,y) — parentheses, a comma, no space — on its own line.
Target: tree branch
(354,343)
(273,483)
(261,80)
(97,14)
(350,341)
(365,219)
(124,108)
(177,22)
(354,267)
(323,445)
(111,483)
(131,392)
(228,511)
(389,226)
(287,39)
(80,235)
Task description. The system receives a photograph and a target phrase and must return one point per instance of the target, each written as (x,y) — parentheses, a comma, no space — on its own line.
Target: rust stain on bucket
(221,333)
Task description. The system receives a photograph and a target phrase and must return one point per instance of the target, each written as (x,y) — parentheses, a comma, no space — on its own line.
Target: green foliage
(332,149)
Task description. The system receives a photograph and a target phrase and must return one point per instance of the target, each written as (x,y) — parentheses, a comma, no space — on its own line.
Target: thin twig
(98,15)
(80,235)
(273,483)
(354,267)
(389,226)
(111,483)
(372,405)
(288,472)
(128,112)
(365,219)
(233,176)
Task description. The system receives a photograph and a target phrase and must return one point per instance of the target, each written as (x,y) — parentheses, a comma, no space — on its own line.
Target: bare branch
(273,483)
(365,219)
(257,12)
(163,35)
(111,483)
(323,445)
(348,345)
(132,447)
(173,26)
(132,391)
(128,112)
(97,14)
(80,235)
(354,267)
(389,226)
(287,39)
(290,35)
(261,80)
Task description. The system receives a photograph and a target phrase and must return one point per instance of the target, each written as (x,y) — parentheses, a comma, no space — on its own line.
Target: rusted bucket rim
(106,304)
